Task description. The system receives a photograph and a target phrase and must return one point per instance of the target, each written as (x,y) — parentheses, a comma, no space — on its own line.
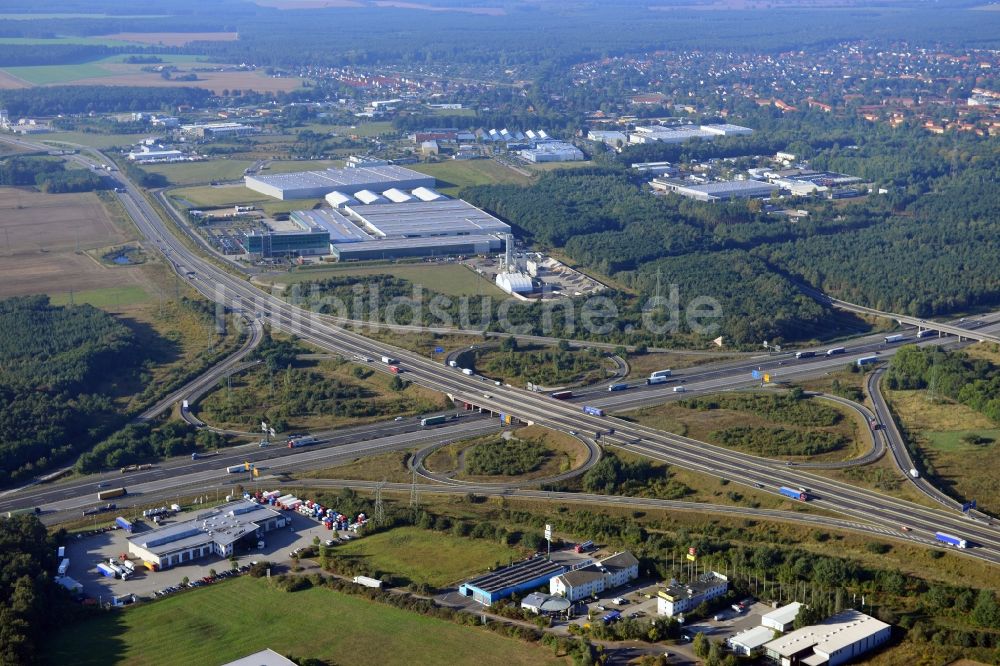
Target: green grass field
(193,173)
(93,139)
(361,129)
(453,175)
(109,297)
(42,75)
(424,556)
(953,441)
(209,196)
(238,617)
(447,278)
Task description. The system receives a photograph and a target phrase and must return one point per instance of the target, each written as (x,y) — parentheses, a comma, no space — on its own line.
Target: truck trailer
(593,411)
(659,373)
(618,387)
(106,571)
(561,395)
(236,469)
(433,420)
(898,337)
(296,442)
(833,351)
(388,360)
(63,567)
(805,354)
(794,493)
(111,492)
(656,380)
(123,523)
(368,582)
(951,540)
(867,360)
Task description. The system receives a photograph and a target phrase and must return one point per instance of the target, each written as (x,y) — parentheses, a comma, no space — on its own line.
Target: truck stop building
(678,598)
(212,532)
(350,180)
(518,577)
(834,641)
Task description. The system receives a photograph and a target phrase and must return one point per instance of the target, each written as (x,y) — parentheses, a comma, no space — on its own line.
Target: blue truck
(123,523)
(867,360)
(611,617)
(593,411)
(951,540)
(618,387)
(793,493)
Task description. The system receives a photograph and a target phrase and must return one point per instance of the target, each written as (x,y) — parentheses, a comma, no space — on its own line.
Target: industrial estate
(487,333)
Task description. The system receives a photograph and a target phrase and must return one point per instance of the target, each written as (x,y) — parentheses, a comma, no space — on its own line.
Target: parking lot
(86,552)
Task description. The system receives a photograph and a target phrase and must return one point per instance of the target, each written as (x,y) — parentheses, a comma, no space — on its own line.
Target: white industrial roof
(334,178)
(397,196)
(338,199)
(835,633)
(426,194)
(368,197)
(446,217)
(783,615)
(753,638)
(266,657)
(515,283)
(341,229)
(225,524)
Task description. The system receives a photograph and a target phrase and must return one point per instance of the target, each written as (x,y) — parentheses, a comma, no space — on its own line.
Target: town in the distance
(500,332)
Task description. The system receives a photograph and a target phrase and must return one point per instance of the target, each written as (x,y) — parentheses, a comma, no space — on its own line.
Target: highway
(883,511)
(191,476)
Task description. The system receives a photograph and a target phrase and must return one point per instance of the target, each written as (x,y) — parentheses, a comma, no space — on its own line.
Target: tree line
(55,100)
(49,175)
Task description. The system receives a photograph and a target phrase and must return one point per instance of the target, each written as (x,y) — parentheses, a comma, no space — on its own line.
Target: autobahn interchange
(866,505)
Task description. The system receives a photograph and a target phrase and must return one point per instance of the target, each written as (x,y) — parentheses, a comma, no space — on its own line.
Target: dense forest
(53,363)
(49,175)
(54,100)
(953,375)
(34,605)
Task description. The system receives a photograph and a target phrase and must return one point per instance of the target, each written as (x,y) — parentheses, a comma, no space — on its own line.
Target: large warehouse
(317,184)
(834,641)
(213,532)
(718,191)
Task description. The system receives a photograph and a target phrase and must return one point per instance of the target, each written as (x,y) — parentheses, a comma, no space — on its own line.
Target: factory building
(662,134)
(610,137)
(217,130)
(397,248)
(518,577)
(421,219)
(678,598)
(718,191)
(213,532)
(515,283)
(834,641)
(349,180)
(553,151)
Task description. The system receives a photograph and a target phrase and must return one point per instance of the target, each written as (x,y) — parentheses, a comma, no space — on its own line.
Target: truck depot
(212,532)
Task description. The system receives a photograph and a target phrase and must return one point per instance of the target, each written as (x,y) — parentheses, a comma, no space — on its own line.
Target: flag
(767,378)
(256,472)
(246,465)
(755,374)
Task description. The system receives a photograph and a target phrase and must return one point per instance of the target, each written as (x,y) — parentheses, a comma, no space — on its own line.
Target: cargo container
(656,380)
(867,360)
(805,354)
(236,469)
(593,411)
(951,540)
(583,547)
(296,442)
(106,571)
(123,523)
(793,493)
(467,371)
(119,571)
(561,395)
(388,360)
(433,420)
(368,582)
(618,387)
(835,350)
(898,337)
(70,584)
(926,333)
(63,567)
(129,566)
(61,552)
(660,373)
(111,492)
